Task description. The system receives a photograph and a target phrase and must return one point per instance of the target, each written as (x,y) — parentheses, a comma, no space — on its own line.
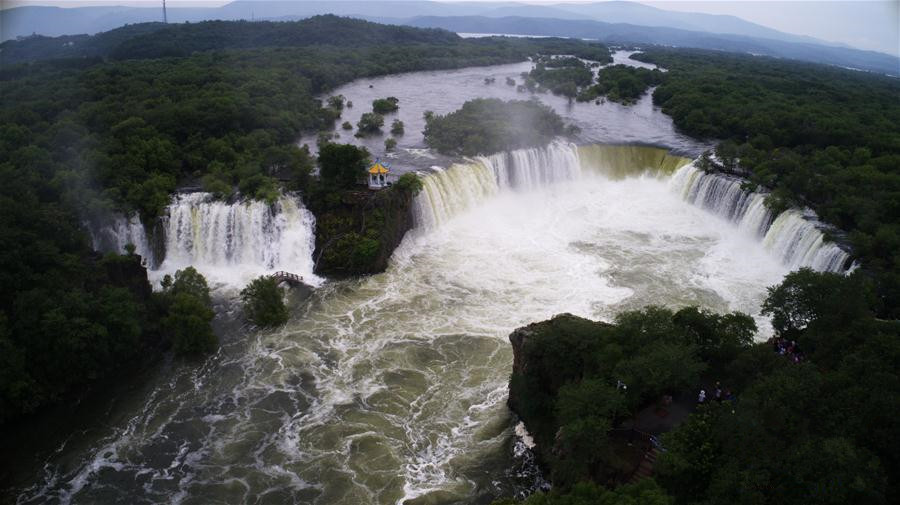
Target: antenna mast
(165,16)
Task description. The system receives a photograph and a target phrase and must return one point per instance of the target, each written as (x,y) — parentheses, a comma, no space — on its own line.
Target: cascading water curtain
(449,192)
(794,236)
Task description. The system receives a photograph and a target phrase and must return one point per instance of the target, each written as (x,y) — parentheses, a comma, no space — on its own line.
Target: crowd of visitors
(788,348)
(718,394)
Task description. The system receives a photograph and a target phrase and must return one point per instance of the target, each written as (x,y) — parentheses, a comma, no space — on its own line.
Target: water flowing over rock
(113,234)
(795,236)
(228,239)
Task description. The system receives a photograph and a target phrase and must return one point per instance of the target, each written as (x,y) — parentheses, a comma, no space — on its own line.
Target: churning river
(391,389)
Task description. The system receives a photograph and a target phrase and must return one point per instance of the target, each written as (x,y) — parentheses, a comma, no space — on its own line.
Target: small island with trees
(490,125)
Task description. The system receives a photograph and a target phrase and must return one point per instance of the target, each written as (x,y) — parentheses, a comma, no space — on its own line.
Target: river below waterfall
(391,388)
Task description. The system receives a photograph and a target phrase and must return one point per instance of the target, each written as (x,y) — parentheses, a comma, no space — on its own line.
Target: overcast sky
(866,24)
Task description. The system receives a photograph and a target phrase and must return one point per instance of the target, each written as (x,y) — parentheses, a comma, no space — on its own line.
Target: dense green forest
(621,83)
(82,136)
(562,76)
(490,125)
(818,417)
(818,136)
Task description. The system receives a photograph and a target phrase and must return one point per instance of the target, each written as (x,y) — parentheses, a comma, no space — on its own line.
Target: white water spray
(228,242)
(794,236)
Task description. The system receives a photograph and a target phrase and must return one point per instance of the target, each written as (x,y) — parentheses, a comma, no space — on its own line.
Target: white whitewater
(232,242)
(794,236)
(229,242)
(118,232)
(449,192)
(391,388)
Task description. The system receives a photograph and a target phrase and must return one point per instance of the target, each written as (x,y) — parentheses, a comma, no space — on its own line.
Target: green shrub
(188,321)
(385,105)
(264,302)
(188,312)
(370,122)
(409,183)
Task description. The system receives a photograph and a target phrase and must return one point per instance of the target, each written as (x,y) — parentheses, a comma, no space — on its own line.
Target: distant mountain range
(620,22)
(629,34)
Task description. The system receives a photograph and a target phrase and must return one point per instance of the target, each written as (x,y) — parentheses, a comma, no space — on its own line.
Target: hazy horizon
(863,24)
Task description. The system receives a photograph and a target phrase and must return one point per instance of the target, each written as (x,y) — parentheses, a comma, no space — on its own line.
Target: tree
(188,322)
(346,125)
(409,183)
(343,165)
(806,297)
(336,102)
(390,143)
(397,127)
(188,281)
(385,105)
(370,122)
(189,312)
(264,302)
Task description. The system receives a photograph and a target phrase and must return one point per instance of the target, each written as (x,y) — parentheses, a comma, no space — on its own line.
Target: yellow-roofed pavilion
(378,175)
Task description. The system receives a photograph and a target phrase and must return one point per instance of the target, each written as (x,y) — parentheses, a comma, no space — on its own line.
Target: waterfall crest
(794,236)
(619,162)
(253,235)
(446,193)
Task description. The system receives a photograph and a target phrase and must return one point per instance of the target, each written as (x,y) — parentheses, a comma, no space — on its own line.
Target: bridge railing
(287,276)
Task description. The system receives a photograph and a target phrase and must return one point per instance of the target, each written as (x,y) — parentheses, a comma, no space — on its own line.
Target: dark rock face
(128,272)
(357,234)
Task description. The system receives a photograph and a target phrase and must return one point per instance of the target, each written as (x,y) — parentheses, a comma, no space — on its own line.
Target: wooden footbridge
(282,276)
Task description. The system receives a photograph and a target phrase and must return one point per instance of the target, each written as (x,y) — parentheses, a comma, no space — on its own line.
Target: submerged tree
(397,127)
(385,105)
(370,122)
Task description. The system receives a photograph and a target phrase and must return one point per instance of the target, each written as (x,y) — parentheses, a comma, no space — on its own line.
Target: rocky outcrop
(357,231)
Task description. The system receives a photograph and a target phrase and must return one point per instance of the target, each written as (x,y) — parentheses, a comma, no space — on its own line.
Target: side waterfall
(115,233)
(794,236)
(250,236)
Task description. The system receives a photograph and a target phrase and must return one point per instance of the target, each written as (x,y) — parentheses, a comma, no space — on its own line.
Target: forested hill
(623,33)
(156,40)
(184,39)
